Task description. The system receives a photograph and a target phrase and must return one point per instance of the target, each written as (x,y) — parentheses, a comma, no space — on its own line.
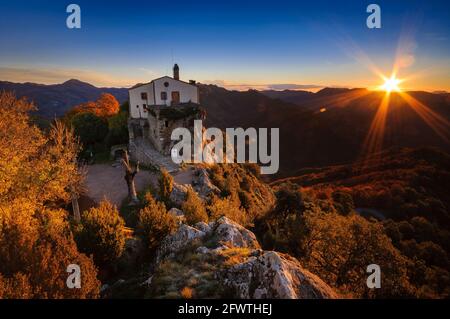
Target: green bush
(155,222)
(102,233)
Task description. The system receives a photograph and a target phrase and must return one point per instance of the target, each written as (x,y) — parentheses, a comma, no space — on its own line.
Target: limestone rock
(274,275)
(178,194)
(231,234)
(203,185)
(203,227)
(177,241)
(255,273)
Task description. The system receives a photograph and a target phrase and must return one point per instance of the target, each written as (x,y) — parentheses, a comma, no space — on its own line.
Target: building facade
(157,108)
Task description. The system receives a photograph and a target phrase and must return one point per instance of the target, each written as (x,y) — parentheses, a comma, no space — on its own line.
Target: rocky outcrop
(253,272)
(229,233)
(274,275)
(178,194)
(202,183)
(184,236)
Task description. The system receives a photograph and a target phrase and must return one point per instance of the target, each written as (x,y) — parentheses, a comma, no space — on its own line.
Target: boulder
(178,194)
(231,234)
(203,185)
(203,227)
(175,242)
(274,275)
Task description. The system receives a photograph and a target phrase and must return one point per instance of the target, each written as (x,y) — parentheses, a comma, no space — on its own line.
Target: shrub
(289,200)
(165,186)
(102,233)
(155,222)
(343,202)
(194,208)
(228,207)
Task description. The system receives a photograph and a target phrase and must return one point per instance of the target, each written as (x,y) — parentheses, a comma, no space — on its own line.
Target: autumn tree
(33,166)
(35,250)
(38,172)
(105,106)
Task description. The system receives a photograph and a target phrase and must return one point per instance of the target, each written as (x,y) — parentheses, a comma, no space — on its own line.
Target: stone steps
(144,152)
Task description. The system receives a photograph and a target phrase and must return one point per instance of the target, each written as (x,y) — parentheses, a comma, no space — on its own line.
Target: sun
(391,84)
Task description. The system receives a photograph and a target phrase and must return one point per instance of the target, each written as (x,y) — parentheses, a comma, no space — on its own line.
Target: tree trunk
(75,206)
(130,173)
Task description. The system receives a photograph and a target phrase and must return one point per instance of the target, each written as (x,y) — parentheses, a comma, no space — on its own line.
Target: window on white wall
(164,96)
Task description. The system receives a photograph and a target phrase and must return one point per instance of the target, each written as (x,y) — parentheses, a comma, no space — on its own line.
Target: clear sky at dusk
(237,44)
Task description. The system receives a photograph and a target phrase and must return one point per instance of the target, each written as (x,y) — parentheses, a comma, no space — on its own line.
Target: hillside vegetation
(402,193)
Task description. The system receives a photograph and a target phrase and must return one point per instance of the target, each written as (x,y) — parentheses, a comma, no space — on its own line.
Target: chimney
(176,72)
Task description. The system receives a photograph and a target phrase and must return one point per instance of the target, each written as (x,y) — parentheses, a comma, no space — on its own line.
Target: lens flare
(391,84)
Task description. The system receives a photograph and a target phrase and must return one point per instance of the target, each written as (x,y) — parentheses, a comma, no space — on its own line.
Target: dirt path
(106,181)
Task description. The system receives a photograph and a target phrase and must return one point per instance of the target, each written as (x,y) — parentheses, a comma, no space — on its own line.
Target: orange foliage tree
(37,173)
(105,106)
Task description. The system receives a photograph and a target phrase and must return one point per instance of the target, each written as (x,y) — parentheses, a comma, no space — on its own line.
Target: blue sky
(237,44)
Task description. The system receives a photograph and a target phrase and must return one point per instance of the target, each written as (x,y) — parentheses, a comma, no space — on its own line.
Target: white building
(164,91)
(156,109)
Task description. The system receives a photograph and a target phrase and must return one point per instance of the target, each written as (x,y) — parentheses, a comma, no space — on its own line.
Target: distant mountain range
(328,127)
(316,129)
(56,99)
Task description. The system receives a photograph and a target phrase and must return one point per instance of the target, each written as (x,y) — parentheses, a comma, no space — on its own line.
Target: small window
(144,95)
(166,84)
(137,106)
(163,96)
(166,123)
(144,106)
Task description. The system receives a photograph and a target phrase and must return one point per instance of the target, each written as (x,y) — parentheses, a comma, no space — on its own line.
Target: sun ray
(373,142)
(437,123)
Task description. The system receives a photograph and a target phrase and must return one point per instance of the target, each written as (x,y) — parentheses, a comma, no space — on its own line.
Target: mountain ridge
(328,128)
